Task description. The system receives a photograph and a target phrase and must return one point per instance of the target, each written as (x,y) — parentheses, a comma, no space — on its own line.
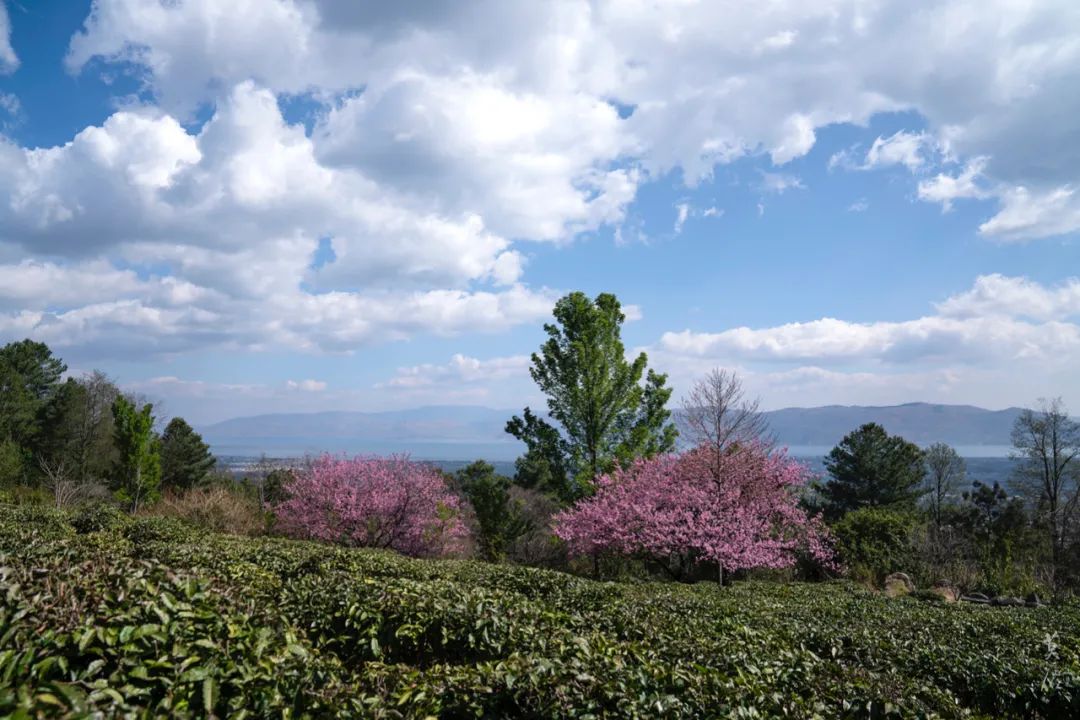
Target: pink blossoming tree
(376,502)
(733,509)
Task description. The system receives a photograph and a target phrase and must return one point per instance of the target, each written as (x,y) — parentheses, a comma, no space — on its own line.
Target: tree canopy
(602,413)
(870,468)
(185,458)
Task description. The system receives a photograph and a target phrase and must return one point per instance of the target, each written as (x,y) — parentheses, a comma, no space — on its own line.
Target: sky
(298,205)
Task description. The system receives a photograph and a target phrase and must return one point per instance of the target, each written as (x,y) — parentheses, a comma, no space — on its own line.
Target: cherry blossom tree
(382,502)
(738,510)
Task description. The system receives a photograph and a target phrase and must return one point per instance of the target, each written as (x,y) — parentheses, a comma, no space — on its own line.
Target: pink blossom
(737,508)
(378,502)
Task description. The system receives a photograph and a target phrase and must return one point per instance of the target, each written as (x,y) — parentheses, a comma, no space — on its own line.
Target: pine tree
(870,468)
(185,459)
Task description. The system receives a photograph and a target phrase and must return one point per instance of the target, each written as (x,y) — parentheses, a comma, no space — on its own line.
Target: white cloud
(713,212)
(461,369)
(900,148)
(780,182)
(944,188)
(233,215)
(1006,338)
(1026,215)
(999,295)
(984,324)
(682,210)
(306,385)
(707,83)
(860,205)
(8,60)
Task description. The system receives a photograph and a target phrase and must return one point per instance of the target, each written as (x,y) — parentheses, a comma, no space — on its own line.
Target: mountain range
(462,432)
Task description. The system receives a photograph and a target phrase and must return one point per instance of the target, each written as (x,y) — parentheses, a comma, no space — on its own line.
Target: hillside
(467,432)
(106,616)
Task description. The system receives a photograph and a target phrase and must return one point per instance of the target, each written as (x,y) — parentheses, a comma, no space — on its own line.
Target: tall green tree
(29,379)
(595,396)
(870,468)
(500,519)
(136,476)
(185,459)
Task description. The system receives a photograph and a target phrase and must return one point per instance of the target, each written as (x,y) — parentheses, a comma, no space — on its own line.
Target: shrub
(218,507)
(374,502)
(97,517)
(874,542)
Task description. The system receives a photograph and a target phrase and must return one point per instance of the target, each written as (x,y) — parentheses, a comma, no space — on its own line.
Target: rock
(948,592)
(1007,601)
(898,584)
(975,598)
(1033,600)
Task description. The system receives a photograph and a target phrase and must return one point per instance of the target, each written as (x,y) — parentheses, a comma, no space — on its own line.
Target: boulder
(975,598)
(1033,600)
(898,584)
(948,592)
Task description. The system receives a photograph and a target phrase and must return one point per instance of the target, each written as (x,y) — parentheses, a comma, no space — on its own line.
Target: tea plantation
(105,616)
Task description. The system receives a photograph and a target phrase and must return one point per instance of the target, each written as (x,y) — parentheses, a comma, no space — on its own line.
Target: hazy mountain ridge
(451,432)
(922,423)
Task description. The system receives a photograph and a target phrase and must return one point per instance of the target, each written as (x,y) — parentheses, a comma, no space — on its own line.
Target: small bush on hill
(218,507)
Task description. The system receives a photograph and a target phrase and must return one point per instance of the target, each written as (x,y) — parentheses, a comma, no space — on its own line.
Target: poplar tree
(602,412)
(136,476)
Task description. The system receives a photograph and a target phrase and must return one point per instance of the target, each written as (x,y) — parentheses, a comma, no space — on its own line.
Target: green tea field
(106,616)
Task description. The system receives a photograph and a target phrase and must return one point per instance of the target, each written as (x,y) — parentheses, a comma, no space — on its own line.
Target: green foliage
(97,517)
(137,475)
(544,466)
(160,619)
(500,519)
(870,468)
(275,486)
(874,542)
(185,458)
(996,529)
(594,395)
(12,463)
(29,378)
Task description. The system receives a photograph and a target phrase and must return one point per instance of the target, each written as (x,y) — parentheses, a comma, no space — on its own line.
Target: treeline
(76,440)
(895,507)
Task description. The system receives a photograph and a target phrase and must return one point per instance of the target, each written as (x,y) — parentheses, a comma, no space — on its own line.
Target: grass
(150,617)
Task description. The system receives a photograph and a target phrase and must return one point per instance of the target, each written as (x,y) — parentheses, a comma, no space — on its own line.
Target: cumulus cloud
(1011,332)
(8,60)
(216,231)
(1000,295)
(412,91)
(901,148)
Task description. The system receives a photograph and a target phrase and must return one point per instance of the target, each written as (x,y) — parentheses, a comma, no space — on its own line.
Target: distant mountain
(921,423)
(462,433)
(447,432)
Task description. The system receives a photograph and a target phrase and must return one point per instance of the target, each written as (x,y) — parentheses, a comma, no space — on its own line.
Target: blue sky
(311,204)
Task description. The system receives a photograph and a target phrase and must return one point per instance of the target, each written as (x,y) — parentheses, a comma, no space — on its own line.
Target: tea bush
(154,617)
